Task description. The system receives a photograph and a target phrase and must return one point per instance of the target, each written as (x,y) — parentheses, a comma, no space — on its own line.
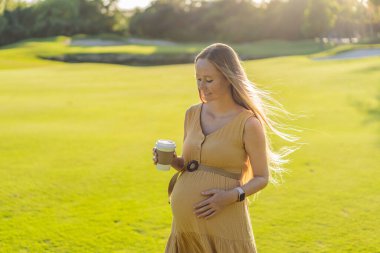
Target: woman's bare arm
(177,162)
(255,145)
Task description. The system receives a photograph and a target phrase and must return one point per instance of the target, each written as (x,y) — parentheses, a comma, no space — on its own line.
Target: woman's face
(212,84)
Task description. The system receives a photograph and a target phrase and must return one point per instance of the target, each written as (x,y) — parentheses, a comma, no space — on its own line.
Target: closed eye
(209,81)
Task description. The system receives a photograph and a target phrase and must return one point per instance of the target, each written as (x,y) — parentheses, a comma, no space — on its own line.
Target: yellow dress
(230,230)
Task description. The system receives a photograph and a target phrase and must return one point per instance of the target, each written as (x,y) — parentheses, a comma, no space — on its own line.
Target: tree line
(193,20)
(243,20)
(19,20)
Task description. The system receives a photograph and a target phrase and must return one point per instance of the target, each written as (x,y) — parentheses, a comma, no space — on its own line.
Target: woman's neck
(221,108)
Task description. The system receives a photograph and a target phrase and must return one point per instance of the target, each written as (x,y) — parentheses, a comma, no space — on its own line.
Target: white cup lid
(165,144)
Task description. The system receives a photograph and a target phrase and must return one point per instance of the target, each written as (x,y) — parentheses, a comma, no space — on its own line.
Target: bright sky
(131,4)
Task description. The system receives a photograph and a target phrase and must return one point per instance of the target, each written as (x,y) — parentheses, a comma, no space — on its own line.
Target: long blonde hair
(257,100)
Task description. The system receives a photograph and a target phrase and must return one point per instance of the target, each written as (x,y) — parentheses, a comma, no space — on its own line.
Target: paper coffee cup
(165,150)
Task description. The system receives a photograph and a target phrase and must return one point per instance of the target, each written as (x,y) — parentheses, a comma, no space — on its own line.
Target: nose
(201,83)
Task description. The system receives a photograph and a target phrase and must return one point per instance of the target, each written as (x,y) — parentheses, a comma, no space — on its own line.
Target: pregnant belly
(187,192)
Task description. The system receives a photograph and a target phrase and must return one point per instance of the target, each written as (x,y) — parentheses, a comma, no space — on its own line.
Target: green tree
(93,18)
(238,22)
(320,17)
(55,17)
(351,18)
(374,17)
(67,17)
(106,6)
(160,20)
(283,20)
(16,24)
(10,5)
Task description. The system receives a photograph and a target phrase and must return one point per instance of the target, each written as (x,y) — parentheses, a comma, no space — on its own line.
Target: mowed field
(76,172)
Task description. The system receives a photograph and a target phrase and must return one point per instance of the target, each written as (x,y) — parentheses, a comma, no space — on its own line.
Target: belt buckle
(192,165)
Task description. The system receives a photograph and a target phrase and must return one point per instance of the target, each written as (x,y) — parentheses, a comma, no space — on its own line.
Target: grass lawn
(76,173)
(61,46)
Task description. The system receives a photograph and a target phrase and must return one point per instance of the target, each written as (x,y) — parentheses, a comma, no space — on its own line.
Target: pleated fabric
(230,230)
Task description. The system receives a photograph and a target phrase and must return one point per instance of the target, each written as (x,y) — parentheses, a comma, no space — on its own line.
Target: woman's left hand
(214,204)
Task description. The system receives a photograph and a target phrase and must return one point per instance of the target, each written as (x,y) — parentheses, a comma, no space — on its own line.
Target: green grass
(75,154)
(56,46)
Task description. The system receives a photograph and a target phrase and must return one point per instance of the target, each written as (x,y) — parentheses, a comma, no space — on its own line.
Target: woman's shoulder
(251,120)
(253,126)
(247,113)
(192,108)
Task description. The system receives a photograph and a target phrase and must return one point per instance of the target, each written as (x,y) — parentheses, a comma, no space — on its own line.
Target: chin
(207,96)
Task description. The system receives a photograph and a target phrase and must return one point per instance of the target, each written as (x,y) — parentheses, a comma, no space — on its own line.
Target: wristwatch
(241,193)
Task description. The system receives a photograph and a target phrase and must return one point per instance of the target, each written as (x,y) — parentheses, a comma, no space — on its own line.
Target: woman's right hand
(155,157)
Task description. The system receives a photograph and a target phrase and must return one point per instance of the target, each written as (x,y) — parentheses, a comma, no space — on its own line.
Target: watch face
(242,196)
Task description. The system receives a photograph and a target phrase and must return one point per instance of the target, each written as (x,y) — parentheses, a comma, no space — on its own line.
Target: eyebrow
(204,75)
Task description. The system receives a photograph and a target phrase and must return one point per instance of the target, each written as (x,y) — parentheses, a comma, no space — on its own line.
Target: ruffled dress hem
(192,242)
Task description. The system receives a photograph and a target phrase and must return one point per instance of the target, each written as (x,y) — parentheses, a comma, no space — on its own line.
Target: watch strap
(241,194)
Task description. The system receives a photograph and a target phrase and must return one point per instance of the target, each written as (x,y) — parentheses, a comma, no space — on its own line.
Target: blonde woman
(226,157)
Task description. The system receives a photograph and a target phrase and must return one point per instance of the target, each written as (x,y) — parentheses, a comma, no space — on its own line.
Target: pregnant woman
(226,157)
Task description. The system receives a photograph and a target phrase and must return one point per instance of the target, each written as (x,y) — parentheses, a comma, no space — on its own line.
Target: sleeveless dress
(230,230)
